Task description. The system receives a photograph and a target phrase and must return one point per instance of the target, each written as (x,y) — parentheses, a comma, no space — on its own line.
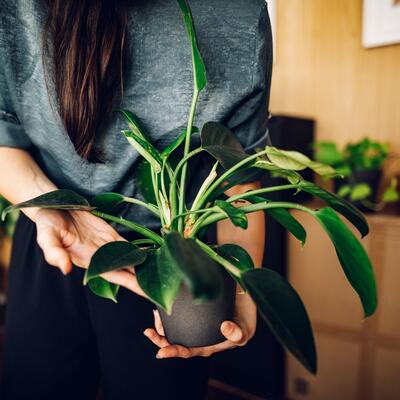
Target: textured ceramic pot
(196,325)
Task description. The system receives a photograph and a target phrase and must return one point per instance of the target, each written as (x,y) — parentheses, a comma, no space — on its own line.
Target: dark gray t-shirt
(234,38)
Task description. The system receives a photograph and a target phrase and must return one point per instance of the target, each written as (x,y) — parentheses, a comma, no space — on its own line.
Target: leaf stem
(220,260)
(182,187)
(226,175)
(261,191)
(206,220)
(131,225)
(149,206)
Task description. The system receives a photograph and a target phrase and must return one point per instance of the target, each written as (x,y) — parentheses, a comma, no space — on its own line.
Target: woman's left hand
(237,333)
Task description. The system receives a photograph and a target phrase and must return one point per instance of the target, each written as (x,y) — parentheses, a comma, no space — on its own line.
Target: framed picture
(381,22)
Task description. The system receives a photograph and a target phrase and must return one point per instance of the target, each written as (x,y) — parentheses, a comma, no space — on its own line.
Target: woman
(64,66)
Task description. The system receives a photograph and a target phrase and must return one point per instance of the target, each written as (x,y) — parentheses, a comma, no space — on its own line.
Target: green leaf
(63,199)
(284,217)
(328,153)
(353,258)
(344,191)
(292,176)
(283,311)
(391,194)
(295,161)
(237,256)
(145,149)
(235,214)
(176,143)
(222,144)
(340,205)
(199,69)
(107,202)
(159,278)
(133,123)
(144,181)
(360,191)
(103,288)
(199,271)
(112,256)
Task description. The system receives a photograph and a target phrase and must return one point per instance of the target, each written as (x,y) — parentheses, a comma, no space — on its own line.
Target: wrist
(41,187)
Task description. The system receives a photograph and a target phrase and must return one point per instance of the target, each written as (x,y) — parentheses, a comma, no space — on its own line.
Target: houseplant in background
(7,227)
(175,261)
(360,165)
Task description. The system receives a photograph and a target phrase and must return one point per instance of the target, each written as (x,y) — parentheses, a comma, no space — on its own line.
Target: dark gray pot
(197,325)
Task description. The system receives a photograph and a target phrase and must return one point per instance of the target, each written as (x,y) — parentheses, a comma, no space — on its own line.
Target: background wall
(322,71)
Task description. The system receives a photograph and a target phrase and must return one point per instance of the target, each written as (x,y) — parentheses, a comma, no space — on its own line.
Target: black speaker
(259,367)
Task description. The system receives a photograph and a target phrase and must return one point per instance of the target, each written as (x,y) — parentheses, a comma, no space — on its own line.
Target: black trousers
(62,342)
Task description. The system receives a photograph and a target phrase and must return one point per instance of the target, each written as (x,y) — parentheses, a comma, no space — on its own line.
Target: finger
(126,279)
(175,350)
(158,324)
(158,340)
(54,252)
(233,333)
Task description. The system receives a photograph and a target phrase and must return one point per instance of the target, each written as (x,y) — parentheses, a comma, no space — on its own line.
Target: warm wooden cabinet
(358,359)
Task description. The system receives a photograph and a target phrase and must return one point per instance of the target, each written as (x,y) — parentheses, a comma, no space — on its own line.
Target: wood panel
(358,358)
(322,71)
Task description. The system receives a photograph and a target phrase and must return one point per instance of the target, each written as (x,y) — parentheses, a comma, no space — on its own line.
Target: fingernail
(237,335)
(158,356)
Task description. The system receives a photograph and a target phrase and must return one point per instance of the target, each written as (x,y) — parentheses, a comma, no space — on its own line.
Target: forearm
(21,178)
(252,239)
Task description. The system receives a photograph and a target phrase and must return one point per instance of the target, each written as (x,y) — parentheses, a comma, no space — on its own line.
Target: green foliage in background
(365,155)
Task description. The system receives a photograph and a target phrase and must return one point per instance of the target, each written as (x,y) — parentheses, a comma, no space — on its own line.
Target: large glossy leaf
(199,271)
(283,311)
(353,214)
(237,256)
(235,214)
(159,278)
(293,160)
(284,217)
(222,144)
(103,288)
(176,143)
(199,69)
(107,202)
(112,256)
(145,149)
(144,181)
(62,199)
(353,258)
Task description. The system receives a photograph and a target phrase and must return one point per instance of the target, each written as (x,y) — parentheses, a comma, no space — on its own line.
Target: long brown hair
(86,40)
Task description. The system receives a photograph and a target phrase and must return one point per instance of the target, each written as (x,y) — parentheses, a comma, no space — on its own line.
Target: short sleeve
(250,120)
(12,133)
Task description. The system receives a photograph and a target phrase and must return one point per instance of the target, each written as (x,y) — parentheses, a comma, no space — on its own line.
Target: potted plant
(6,231)
(360,165)
(174,263)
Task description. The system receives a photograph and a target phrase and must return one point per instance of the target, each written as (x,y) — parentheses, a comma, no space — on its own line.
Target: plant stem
(220,260)
(131,225)
(226,175)
(154,178)
(182,187)
(206,184)
(261,191)
(150,207)
(140,242)
(211,219)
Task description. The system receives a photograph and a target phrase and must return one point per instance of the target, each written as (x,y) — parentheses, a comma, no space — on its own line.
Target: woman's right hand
(70,238)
